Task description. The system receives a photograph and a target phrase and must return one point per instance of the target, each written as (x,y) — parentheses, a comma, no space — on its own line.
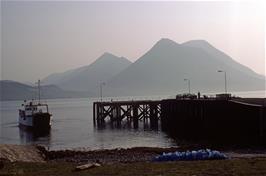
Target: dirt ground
(31,153)
(34,160)
(231,167)
(23,153)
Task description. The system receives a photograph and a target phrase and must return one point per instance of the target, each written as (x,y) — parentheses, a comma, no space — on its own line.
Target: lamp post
(225,81)
(101,90)
(188,80)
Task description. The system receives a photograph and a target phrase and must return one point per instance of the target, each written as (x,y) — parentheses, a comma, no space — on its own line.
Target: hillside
(11,90)
(164,67)
(89,77)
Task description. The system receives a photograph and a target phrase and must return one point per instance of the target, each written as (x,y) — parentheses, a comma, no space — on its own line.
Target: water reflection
(30,136)
(127,124)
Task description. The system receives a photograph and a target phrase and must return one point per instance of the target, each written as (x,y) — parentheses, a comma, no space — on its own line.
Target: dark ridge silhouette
(11,90)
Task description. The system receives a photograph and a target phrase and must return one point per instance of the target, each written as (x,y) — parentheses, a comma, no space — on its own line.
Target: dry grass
(244,166)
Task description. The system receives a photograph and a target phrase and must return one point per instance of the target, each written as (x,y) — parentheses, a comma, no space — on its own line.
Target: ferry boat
(35,115)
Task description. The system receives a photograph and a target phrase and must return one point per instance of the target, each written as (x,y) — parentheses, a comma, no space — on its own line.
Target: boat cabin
(31,108)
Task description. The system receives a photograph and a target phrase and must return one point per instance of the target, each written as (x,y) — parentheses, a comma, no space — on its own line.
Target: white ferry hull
(26,121)
(37,121)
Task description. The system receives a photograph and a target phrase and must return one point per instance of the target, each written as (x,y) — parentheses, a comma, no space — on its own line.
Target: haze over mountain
(11,90)
(161,70)
(89,77)
(164,67)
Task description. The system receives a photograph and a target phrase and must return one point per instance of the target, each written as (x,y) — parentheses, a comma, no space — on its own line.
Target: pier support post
(98,114)
(118,115)
(100,118)
(153,116)
(94,120)
(135,116)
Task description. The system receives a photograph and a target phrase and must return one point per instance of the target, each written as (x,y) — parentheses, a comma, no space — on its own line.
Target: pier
(148,111)
(212,120)
(217,121)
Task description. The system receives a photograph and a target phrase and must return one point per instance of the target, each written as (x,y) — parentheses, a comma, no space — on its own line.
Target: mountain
(11,90)
(164,67)
(89,77)
(219,55)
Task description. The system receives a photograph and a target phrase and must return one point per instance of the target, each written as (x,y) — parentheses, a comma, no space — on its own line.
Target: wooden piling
(153,116)
(135,116)
(132,111)
(94,119)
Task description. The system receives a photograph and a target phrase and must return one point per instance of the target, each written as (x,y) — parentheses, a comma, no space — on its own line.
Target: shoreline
(125,162)
(36,153)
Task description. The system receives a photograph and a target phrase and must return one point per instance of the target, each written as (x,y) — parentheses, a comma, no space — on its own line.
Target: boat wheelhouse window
(42,109)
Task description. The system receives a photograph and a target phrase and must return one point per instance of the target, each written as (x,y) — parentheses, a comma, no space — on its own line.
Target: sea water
(72,128)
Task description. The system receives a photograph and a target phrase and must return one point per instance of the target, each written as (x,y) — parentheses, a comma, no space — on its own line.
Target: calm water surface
(72,127)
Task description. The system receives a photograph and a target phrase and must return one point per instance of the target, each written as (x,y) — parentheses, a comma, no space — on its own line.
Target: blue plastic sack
(191,155)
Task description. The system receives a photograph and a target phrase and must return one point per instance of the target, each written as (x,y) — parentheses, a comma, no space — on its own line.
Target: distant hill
(164,67)
(11,90)
(89,77)
(221,56)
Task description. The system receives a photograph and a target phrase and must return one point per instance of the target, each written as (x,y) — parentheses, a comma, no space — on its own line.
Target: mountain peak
(111,57)
(106,57)
(107,54)
(197,43)
(166,41)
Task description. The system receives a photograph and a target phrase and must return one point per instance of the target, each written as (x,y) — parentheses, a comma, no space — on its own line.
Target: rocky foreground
(36,160)
(30,153)
(23,153)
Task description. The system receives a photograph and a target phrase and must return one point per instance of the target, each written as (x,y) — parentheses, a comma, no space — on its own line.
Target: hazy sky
(40,38)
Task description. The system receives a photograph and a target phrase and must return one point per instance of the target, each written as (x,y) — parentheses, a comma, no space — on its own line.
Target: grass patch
(254,166)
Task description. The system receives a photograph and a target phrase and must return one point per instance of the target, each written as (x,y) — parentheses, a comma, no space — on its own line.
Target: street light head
(185,79)
(220,71)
